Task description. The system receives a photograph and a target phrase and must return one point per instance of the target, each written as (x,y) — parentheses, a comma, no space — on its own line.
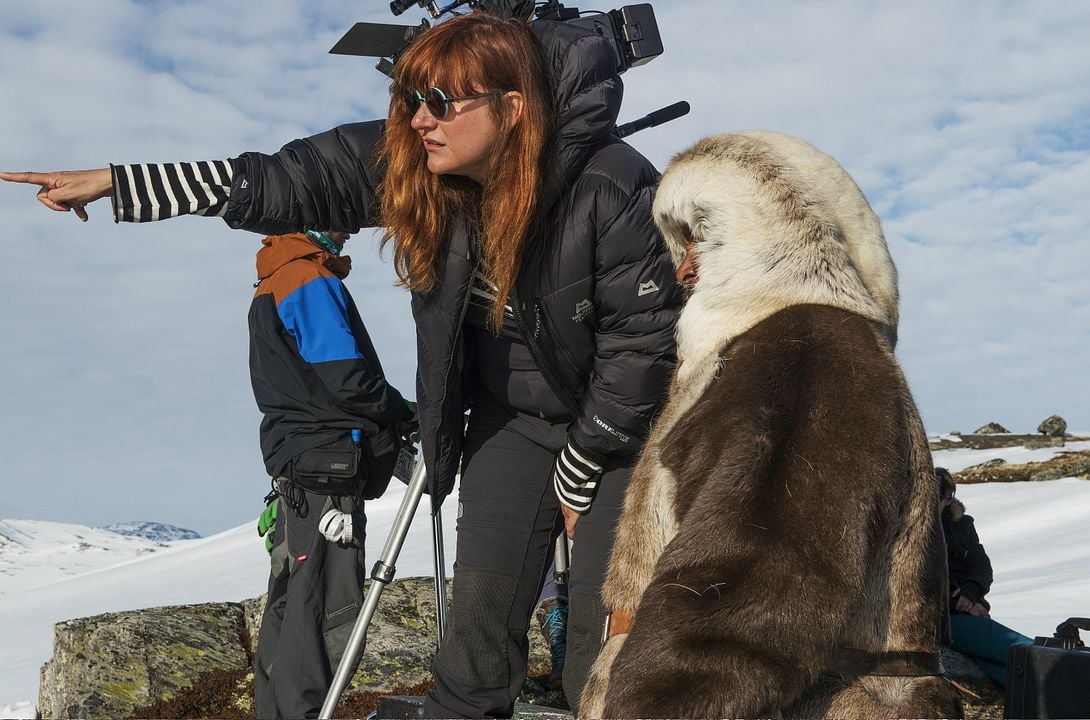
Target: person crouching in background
(973,632)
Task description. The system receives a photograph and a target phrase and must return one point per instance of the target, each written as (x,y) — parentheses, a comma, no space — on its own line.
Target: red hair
(468,54)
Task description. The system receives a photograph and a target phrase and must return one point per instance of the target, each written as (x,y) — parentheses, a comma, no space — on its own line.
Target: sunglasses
(436,100)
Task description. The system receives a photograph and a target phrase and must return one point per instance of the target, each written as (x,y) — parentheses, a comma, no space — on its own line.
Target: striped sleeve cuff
(144,193)
(575,478)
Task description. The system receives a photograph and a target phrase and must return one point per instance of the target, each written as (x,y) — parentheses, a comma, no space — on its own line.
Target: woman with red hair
(544,300)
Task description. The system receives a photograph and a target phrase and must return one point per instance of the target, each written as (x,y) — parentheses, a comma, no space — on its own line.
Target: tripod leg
(381,574)
(440,576)
(560,560)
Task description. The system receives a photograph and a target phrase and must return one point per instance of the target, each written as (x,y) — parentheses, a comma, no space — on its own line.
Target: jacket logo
(612,431)
(582,309)
(647,288)
(245,184)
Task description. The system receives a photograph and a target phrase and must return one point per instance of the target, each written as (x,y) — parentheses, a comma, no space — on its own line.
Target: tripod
(382,573)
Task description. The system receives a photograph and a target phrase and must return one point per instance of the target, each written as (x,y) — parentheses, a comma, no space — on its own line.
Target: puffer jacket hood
(279,250)
(588,94)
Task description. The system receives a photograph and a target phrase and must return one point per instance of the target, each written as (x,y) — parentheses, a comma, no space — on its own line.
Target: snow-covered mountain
(34,553)
(1035,534)
(50,572)
(160,532)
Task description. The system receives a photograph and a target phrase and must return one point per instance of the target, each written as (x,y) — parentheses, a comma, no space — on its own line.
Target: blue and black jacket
(315,373)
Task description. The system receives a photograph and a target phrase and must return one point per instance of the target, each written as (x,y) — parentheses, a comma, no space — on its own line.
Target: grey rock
(401,640)
(1071,466)
(409,706)
(992,428)
(1046,441)
(251,613)
(1053,425)
(107,665)
(994,462)
(958,666)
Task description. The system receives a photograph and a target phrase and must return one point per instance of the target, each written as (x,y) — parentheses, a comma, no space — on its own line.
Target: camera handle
(658,117)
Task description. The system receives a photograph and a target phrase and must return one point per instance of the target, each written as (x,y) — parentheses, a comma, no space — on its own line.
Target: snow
(1034,532)
(45,578)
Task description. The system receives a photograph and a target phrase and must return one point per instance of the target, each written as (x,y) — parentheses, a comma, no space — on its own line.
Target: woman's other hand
(68,189)
(570,519)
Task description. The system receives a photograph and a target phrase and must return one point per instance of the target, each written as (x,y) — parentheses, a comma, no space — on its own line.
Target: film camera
(632,31)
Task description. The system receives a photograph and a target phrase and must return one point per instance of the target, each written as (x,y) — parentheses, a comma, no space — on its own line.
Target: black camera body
(632,30)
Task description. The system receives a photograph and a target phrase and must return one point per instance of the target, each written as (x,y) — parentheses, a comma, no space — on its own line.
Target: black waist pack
(332,469)
(344,468)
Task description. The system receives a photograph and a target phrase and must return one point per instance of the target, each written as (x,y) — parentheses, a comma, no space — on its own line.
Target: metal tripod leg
(440,575)
(560,559)
(381,575)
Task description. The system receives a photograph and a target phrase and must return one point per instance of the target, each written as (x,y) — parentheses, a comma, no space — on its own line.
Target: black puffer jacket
(970,568)
(596,299)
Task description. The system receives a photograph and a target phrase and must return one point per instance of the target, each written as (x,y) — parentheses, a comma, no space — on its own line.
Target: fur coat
(780,544)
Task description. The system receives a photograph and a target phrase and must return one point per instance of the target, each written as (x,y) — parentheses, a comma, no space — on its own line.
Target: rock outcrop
(1065,464)
(109,666)
(106,665)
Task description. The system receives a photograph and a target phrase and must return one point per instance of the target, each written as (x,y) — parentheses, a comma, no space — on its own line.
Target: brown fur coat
(784,507)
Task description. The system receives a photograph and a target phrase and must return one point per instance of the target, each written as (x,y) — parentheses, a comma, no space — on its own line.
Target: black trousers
(508,517)
(315,595)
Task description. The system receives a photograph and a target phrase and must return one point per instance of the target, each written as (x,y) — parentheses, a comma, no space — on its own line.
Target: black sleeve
(637,303)
(324,182)
(977,578)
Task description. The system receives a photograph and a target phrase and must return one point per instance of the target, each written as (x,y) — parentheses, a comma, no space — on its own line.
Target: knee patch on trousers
(475,646)
(586,615)
(336,630)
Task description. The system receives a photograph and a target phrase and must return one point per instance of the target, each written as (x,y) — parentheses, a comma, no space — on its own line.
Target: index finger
(35,178)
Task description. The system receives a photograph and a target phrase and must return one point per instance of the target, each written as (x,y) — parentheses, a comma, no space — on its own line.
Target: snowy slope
(230,566)
(1034,532)
(35,552)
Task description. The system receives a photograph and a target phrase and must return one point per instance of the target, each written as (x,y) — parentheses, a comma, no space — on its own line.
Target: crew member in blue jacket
(330,437)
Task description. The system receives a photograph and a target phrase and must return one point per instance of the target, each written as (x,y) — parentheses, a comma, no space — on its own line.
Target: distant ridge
(159,532)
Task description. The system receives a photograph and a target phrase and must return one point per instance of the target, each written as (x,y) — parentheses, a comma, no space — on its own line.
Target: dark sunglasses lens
(436,102)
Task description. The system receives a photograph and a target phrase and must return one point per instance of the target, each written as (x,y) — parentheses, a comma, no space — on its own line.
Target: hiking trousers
(508,517)
(986,641)
(315,595)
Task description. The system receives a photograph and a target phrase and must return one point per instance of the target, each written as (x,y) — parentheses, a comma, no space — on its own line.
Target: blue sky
(126,393)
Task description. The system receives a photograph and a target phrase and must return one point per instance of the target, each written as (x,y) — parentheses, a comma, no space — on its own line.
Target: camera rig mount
(632,31)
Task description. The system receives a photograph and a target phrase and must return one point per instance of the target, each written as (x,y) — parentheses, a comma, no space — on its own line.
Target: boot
(552,617)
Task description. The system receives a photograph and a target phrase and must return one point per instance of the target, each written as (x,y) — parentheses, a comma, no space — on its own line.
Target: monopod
(382,573)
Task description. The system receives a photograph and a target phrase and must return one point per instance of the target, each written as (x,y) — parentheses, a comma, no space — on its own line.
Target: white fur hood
(777,223)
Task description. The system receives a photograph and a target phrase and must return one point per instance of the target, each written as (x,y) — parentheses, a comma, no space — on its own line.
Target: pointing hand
(67,190)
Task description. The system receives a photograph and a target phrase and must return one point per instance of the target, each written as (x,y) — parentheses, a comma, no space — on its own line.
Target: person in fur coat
(779,552)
